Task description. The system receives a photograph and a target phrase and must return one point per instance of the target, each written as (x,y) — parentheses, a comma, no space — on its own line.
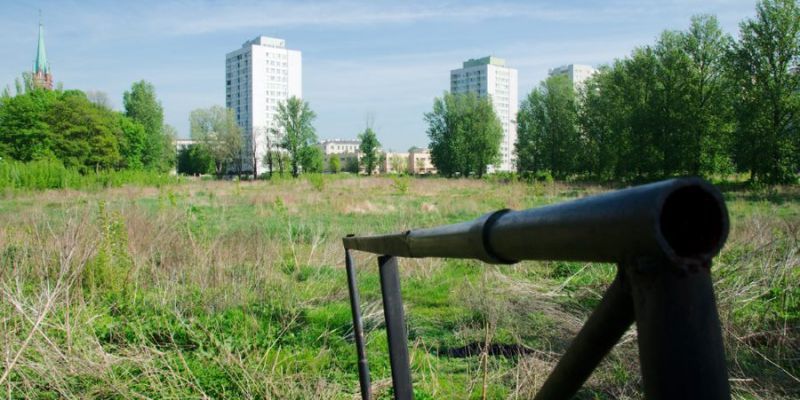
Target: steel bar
(395,328)
(680,341)
(599,334)
(358,327)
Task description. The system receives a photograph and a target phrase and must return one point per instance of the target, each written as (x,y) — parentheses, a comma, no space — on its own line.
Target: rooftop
(485,61)
(265,41)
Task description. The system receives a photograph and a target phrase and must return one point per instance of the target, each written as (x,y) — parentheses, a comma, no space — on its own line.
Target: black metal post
(358,327)
(680,340)
(395,328)
(599,334)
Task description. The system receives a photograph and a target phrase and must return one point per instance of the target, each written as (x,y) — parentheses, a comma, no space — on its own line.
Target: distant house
(420,162)
(345,150)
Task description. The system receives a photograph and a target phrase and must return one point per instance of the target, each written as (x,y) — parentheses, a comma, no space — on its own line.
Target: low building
(394,163)
(345,150)
(420,162)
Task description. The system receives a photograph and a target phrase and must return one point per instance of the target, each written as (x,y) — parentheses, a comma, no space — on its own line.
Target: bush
(52,174)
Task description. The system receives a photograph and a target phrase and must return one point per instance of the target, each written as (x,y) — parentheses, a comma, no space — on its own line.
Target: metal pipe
(683,220)
(599,334)
(680,341)
(395,328)
(358,327)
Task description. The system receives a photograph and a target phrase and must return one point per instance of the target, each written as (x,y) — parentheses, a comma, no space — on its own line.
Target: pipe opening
(692,222)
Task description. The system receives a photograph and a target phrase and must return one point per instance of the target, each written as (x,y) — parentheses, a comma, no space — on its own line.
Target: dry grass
(223,289)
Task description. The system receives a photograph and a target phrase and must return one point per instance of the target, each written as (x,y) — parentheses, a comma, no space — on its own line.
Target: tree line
(221,146)
(697,102)
(82,132)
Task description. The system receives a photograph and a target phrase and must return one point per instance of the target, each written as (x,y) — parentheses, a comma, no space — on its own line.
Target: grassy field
(237,290)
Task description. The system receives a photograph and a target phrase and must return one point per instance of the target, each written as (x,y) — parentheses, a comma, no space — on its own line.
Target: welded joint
(481,230)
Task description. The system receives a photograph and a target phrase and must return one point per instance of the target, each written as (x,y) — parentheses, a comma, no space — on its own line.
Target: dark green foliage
(548,131)
(195,160)
(351,165)
(465,134)
(369,149)
(765,69)
(311,159)
(67,126)
(694,103)
(142,106)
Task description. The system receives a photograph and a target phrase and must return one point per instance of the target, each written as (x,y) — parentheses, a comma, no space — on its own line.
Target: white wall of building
(577,73)
(489,76)
(259,75)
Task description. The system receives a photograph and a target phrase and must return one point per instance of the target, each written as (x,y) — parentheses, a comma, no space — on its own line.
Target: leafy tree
(25,133)
(311,159)
(294,119)
(216,131)
(764,65)
(194,160)
(334,165)
(142,106)
(132,143)
(87,135)
(465,134)
(351,165)
(369,149)
(549,138)
(709,113)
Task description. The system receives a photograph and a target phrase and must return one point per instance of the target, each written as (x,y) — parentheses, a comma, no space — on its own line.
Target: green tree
(548,135)
(334,164)
(709,99)
(216,131)
(194,160)
(370,150)
(764,66)
(311,159)
(294,118)
(142,106)
(25,133)
(132,143)
(464,134)
(351,165)
(87,135)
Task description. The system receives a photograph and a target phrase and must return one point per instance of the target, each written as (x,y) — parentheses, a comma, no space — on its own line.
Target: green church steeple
(41,65)
(41,68)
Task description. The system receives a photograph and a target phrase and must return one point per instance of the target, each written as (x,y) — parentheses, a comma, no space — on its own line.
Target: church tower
(42,77)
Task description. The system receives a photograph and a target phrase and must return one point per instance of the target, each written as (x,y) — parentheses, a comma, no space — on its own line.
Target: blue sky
(387,60)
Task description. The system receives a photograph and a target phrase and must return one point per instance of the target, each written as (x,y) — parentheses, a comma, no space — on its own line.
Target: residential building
(42,76)
(258,76)
(577,73)
(394,163)
(490,77)
(420,162)
(345,150)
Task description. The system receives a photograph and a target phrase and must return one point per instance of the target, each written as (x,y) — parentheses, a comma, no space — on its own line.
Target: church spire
(41,68)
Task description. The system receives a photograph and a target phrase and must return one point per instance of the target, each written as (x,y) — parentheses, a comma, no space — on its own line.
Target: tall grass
(236,290)
(52,174)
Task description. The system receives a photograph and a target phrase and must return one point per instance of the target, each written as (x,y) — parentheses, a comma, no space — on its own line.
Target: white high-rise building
(489,76)
(258,76)
(577,73)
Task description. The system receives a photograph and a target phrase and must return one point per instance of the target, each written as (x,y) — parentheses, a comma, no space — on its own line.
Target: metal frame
(662,237)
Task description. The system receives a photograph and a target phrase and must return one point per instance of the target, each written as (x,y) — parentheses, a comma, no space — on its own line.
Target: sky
(383,61)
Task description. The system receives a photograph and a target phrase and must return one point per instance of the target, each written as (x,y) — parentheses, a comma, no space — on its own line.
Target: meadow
(210,289)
